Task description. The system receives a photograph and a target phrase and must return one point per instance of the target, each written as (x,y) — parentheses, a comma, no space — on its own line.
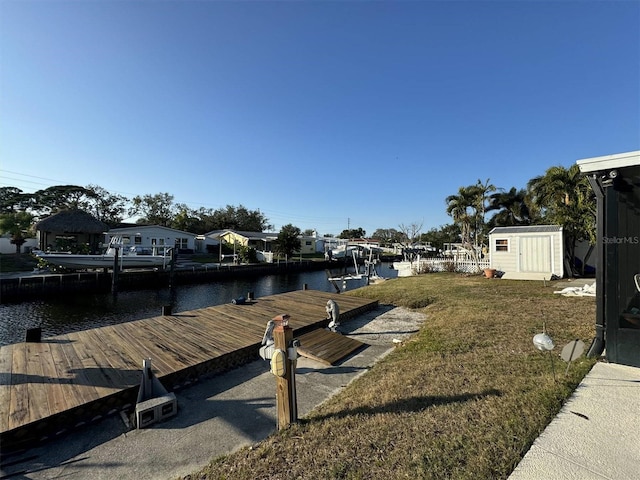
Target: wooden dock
(68,380)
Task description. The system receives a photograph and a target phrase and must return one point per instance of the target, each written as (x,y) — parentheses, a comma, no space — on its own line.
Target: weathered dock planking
(68,380)
(327,347)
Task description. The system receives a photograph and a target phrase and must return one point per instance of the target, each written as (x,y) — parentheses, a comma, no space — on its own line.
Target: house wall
(232,237)
(151,235)
(528,255)
(307,245)
(6,247)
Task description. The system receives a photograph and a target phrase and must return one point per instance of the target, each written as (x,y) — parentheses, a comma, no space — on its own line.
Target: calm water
(57,317)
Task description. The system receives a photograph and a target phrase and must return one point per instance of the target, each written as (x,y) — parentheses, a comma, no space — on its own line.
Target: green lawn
(464,399)
(17,263)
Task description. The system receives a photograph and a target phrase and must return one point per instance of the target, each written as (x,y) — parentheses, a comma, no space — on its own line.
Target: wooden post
(286,406)
(173,255)
(114,279)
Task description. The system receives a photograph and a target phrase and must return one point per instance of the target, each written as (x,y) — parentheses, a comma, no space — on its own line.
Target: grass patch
(464,398)
(23,262)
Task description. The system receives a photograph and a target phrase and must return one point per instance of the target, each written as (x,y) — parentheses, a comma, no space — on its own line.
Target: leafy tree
(387,236)
(13,199)
(155,209)
(288,241)
(17,224)
(352,233)
(437,237)
(563,196)
(61,197)
(235,218)
(188,220)
(107,207)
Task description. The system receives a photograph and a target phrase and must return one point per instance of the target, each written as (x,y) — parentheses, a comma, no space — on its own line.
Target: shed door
(535,254)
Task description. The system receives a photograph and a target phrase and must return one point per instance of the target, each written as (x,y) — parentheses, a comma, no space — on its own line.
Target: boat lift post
(114,278)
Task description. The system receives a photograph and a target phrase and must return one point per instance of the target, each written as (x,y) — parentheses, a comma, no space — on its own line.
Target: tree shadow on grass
(407,405)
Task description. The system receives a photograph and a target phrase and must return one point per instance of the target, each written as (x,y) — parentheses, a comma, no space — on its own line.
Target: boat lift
(369,272)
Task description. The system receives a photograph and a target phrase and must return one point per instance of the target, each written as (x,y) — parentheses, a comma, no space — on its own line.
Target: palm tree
(17,224)
(466,210)
(461,208)
(512,208)
(563,196)
(482,190)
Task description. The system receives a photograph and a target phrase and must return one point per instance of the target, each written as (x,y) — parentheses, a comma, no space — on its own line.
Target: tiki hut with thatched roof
(71,230)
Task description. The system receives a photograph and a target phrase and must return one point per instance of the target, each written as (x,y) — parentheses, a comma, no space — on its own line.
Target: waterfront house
(154,236)
(260,241)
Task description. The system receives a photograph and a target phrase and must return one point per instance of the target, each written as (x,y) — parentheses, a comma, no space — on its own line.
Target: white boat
(370,273)
(133,256)
(363,250)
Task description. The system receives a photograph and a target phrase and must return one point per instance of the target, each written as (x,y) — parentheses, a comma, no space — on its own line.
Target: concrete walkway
(595,436)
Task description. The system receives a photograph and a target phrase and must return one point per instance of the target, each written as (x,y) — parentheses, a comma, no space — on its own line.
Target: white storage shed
(532,252)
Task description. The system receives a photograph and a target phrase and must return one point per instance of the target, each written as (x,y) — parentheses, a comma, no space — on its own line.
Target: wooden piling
(285,386)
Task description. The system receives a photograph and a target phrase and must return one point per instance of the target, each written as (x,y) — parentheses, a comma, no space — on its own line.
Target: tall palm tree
(558,187)
(512,208)
(482,191)
(563,196)
(464,210)
(461,208)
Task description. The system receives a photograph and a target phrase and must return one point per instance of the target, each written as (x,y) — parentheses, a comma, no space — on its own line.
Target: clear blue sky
(320,114)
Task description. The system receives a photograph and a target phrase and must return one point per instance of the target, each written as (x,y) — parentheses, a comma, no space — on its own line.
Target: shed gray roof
(527,229)
(72,221)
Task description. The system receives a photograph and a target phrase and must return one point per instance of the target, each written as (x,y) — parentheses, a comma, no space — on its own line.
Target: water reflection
(82,312)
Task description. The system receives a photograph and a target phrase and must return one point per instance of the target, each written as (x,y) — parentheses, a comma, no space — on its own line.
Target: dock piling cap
(282,320)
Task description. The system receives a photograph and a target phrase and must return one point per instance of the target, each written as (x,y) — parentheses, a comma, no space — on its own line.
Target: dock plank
(326,346)
(6,361)
(65,362)
(38,396)
(56,397)
(64,379)
(19,403)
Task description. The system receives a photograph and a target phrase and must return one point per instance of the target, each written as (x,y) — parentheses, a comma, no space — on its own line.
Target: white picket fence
(443,264)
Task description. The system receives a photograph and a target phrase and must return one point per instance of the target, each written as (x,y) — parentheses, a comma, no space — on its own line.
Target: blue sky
(320,114)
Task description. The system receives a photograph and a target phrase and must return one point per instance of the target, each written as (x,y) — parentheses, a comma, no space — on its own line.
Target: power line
(275,216)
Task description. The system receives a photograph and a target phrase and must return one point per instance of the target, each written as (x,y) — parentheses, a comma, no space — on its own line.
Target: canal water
(82,312)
